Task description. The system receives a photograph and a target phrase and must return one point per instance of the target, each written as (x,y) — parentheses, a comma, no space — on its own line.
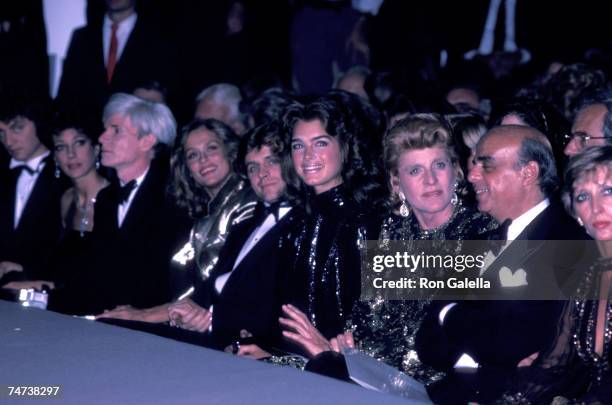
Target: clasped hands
(186,314)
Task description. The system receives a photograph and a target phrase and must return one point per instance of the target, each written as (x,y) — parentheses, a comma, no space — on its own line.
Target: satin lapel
(261,249)
(42,192)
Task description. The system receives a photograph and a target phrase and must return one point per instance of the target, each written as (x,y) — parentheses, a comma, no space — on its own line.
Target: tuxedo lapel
(41,192)
(254,256)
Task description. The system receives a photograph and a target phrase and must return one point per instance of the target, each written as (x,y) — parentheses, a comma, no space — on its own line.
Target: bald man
(514,177)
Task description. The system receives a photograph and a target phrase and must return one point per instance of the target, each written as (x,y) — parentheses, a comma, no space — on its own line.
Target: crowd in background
(208,169)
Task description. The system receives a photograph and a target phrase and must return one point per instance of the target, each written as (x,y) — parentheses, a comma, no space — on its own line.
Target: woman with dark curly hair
(206,186)
(339,192)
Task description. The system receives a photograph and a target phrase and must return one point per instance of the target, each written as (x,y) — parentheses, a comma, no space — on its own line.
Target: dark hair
(190,195)
(571,84)
(84,124)
(269,106)
(270,135)
(360,171)
(581,164)
(533,150)
(35,109)
(537,114)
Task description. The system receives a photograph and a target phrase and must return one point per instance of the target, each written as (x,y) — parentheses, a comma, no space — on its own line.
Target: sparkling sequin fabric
(572,368)
(386,329)
(325,261)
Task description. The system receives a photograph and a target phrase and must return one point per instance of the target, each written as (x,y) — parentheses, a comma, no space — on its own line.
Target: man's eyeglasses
(582,138)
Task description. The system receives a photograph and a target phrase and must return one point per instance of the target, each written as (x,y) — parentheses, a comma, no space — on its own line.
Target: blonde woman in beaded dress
(578,367)
(425,179)
(424,176)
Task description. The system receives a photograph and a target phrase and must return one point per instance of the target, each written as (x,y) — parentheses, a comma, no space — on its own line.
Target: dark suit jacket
(146,57)
(127,264)
(499,333)
(32,242)
(251,298)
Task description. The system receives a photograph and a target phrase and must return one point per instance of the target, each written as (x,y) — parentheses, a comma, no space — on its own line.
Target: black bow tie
(498,235)
(18,169)
(264,210)
(123,192)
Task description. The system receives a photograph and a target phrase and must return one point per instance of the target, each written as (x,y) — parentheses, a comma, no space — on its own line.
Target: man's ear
(147,142)
(530,173)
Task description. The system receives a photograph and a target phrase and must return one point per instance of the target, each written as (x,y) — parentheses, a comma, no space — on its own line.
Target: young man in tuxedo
(514,177)
(243,290)
(30,193)
(243,285)
(136,226)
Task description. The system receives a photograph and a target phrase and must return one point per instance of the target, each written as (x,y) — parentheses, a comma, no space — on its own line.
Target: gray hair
(148,117)
(223,93)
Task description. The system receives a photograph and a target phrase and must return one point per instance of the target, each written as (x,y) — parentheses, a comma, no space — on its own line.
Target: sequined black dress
(571,371)
(324,259)
(386,329)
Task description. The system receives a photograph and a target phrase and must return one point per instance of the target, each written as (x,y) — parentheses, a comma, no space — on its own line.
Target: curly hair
(359,170)
(190,195)
(270,135)
(418,131)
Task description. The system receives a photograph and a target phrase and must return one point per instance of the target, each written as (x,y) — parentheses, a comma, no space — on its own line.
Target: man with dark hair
(244,286)
(30,195)
(514,177)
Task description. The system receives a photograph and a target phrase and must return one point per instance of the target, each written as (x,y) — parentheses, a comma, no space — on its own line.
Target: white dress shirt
(26,182)
(519,224)
(257,234)
(514,230)
(123,208)
(124,30)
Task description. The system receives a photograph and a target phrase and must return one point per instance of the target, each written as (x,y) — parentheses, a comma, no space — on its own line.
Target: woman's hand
(342,341)
(300,331)
(188,315)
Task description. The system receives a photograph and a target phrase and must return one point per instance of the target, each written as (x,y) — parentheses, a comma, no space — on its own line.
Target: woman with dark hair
(337,175)
(77,154)
(205,185)
(424,177)
(578,366)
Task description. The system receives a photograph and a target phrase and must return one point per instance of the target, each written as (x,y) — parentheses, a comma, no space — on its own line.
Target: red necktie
(112,53)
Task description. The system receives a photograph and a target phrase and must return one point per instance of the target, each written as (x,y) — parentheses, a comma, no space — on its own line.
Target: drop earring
(580,222)
(404,209)
(455,199)
(57,171)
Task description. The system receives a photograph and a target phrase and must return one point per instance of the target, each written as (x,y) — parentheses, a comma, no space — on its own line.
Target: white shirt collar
(519,224)
(34,163)
(138,179)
